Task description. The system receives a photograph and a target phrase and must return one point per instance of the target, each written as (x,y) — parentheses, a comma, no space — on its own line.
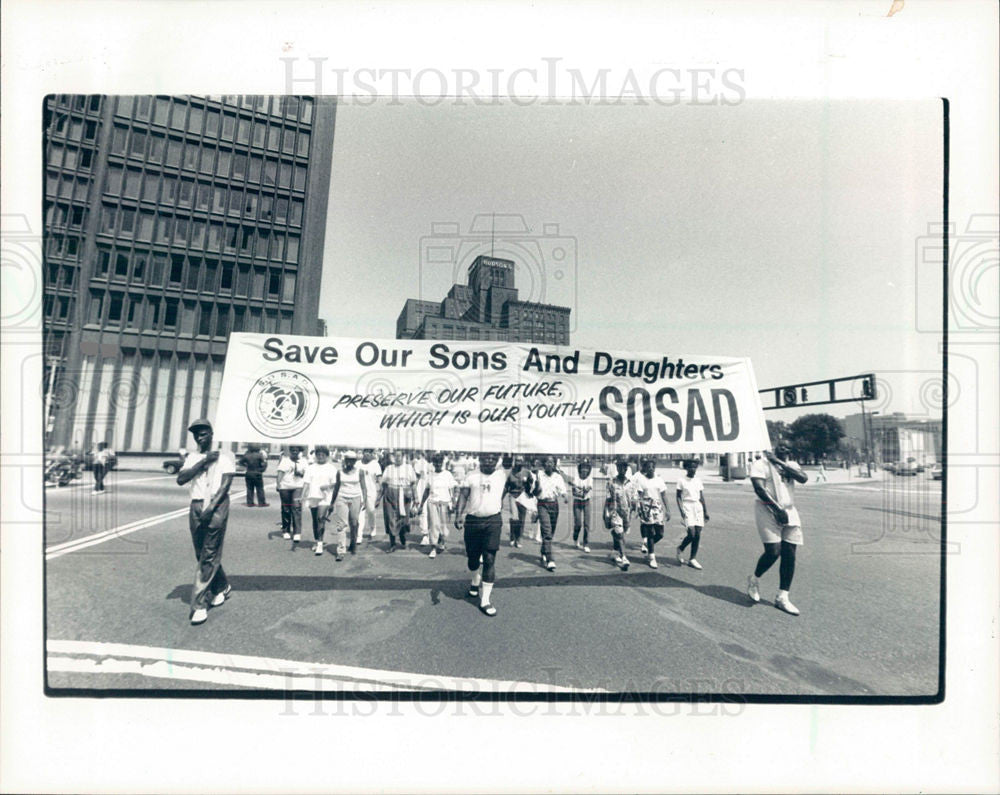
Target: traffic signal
(789,396)
(868,388)
(805,394)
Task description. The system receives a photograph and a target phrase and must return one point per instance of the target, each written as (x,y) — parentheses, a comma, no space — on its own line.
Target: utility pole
(864,431)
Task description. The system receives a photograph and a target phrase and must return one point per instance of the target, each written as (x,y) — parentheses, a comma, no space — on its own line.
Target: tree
(776,431)
(815,435)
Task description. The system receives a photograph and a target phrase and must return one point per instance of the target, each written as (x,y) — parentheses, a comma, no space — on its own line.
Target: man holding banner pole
(210,473)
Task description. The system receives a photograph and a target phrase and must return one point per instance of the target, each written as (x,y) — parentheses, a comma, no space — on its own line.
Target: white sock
(782,594)
(485,598)
(476,579)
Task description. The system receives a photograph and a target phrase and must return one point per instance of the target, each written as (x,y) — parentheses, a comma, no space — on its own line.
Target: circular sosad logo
(282,403)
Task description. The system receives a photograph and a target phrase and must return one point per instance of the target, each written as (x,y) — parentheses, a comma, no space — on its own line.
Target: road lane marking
(266,672)
(109,482)
(65,547)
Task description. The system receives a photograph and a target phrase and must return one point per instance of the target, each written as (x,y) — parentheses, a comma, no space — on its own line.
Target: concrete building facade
(169,223)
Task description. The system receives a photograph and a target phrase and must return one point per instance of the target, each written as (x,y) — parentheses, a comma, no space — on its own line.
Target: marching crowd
(432,494)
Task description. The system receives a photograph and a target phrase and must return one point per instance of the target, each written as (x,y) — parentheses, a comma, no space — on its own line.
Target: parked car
(906,468)
(890,467)
(937,471)
(173,465)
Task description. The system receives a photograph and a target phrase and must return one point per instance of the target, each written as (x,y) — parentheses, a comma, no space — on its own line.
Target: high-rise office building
(487,308)
(169,223)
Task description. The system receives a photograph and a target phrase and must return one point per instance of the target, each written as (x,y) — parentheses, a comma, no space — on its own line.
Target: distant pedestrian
(423,468)
(515,490)
(478,516)
(693,511)
(581,483)
(317,495)
(371,470)
(350,492)
(398,480)
(778,521)
(100,465)
(618,511)
(255,462)
(821,474)
(652,506)
(438,497)
(210,474)
(291,471)
(549,489)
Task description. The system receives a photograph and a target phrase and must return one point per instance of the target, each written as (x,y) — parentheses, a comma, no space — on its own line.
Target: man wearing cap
(210,473)
(350,493)
(778,523)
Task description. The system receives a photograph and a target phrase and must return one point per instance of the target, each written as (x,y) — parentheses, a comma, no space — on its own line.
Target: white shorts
(693,513)
(771,532)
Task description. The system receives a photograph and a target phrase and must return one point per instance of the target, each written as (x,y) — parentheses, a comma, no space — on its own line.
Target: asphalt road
(867,584)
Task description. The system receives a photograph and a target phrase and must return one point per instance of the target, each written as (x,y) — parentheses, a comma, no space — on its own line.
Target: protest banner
(499,396)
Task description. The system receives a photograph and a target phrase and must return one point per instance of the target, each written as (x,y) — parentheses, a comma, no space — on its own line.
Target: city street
(120,566)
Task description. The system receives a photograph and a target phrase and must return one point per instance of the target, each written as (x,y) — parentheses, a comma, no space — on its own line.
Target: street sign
(850,389)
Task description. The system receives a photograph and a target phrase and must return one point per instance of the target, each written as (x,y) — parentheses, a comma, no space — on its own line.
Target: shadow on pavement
(457,589)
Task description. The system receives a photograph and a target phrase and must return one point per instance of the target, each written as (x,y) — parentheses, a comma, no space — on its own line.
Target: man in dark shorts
(480,498)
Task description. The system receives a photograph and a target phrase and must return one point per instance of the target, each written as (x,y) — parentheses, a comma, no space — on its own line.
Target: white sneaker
(624,563)
(586,549)
(297,537)
(643,549)
(783,603)
(753,589)
(680,557)
(287,536)
(551,565)
(694,564)
(424,541)
(318,548)
(652,562)
(577,544)
(199,616)
(434,553)
(220,598)
(617,559)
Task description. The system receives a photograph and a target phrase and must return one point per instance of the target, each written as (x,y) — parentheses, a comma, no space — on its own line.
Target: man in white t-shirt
(437,495)
(693,510)
(549,488)
(651,501)
(778,523)
(210,474)
(371,471)
(480,499)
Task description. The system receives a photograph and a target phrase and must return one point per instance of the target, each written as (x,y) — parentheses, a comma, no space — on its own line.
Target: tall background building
(487,308)
(169,223)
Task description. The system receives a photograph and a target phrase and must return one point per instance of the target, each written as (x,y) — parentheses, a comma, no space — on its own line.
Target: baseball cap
(350,454)
(200,423)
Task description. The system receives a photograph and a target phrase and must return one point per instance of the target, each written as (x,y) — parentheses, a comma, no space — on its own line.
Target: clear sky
(788,232)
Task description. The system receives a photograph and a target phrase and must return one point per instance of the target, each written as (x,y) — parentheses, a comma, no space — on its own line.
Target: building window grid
(277,290)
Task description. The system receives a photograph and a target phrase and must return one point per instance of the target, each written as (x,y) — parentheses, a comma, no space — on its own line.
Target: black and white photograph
(424,408)
(661,562)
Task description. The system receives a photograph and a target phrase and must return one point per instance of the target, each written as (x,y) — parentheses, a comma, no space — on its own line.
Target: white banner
(474,396)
